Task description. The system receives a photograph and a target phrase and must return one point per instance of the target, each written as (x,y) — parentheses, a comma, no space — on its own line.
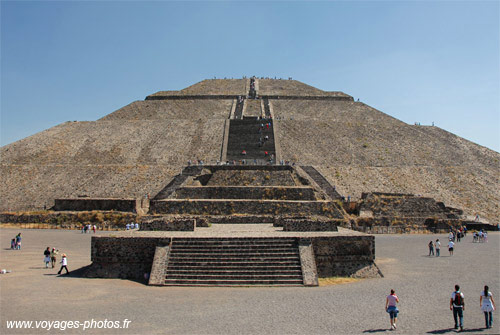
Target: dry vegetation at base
(336,280)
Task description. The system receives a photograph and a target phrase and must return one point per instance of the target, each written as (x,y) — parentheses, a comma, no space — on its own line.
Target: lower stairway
(233,262)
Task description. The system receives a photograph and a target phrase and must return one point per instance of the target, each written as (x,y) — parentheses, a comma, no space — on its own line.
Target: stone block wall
(132,257)
(123,257)
(91,204)
(245,192)
(392,225)
(345,256)
(309,225)
(255,207)
(167,224)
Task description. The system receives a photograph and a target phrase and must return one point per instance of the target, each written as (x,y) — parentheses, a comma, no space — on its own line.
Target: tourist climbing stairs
(322,182)
(234,262)
(249,136)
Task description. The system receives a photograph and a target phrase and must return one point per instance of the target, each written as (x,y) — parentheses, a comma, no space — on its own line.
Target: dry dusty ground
(423,284)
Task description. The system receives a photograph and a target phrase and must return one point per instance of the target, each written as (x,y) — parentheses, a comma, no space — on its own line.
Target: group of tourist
(15,243)
(132,225)
(88,227)
(50,257)
(457,306)
(479,236)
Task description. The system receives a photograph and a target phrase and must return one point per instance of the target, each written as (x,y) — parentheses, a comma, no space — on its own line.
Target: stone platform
(134,254)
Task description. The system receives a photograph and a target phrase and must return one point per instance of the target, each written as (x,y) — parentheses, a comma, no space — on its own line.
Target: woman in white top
(487,306)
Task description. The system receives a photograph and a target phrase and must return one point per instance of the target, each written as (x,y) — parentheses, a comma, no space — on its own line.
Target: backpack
(459,301)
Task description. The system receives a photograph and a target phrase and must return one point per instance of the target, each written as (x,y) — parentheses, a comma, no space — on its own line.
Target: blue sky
(417,61)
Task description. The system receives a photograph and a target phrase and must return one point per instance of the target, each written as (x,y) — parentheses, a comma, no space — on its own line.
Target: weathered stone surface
(124,257)
(132,257)
(245,192)
(255,207)
(90,204)
(307,263)
(310,225)
(159,266)
(169,224)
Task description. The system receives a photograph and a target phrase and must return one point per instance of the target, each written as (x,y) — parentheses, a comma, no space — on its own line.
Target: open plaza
(423,284)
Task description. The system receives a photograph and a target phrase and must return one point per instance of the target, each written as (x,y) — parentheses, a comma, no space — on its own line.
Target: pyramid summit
(140,148)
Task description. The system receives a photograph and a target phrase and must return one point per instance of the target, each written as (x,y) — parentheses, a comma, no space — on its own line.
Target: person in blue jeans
(457,305)
(487,306)
(391,308)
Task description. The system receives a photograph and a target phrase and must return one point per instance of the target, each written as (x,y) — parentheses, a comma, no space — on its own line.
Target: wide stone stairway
(234,261)
(249,135)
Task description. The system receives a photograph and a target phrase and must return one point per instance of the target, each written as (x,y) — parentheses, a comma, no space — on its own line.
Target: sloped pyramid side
(360,149)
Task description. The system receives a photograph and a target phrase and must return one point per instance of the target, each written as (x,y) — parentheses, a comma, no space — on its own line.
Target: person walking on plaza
(451,245)
(487,306)
(53,257)
(438,247)
(431,248)
(457,305)
(391,308)
(64,264)
(18,241)
(46,257)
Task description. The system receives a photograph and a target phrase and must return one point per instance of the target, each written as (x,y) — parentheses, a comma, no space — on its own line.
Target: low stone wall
(69,220)
(91,204)
(132,257)
(165,224)
(255,207)
(309,225)
(393,225)
(123,257)
(351,256)
(245,192)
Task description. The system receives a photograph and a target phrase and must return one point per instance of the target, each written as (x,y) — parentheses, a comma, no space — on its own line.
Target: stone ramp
(233,262)
(177,181)
(322,182)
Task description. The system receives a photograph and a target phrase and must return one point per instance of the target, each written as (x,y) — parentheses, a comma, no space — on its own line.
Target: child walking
(64,264)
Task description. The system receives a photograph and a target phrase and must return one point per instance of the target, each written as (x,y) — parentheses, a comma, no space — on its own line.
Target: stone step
(228,242)
(244,263)
(233,251)
(227,246)
(240,272)
(225,255)
(239,266)
(280,282)
(231,276)
(234,260)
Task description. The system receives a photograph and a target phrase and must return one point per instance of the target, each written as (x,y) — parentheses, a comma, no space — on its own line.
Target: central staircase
(233,262)
(246,134)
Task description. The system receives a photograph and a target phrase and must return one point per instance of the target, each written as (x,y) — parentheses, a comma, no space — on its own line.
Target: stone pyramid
(139,148)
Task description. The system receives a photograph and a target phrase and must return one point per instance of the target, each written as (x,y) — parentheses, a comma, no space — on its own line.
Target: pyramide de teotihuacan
(139,149)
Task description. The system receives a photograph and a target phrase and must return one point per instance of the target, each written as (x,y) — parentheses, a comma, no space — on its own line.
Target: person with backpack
(487,306)
(457,305)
